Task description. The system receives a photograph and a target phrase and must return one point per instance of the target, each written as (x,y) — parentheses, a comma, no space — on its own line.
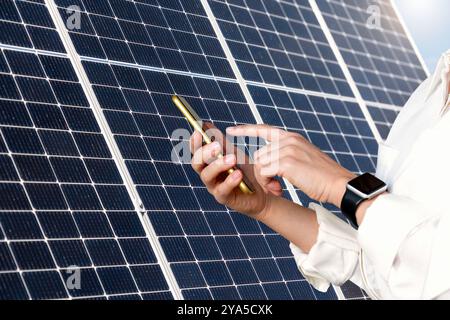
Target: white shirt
(404,240)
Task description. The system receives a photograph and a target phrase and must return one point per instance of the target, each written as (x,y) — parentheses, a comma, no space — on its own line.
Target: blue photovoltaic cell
(381,58)
(28,24)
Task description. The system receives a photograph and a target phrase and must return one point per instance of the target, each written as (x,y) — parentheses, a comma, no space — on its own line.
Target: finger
(271,148)
(228,146)
(270,170)
(195,142)
(269,156)
(208,125)
(213,133)
(205,155)
(263,181)
(210,173)
(224,189)
(274,186)
(259,130)
(269,184)
(290,140)
(273,155)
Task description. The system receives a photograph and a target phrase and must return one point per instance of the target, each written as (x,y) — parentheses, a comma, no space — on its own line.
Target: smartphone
(195,121)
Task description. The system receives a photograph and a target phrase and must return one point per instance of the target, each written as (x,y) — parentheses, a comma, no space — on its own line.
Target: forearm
(299,224)
(292,221)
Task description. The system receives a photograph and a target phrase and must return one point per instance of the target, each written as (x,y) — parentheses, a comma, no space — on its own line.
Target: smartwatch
(364,187)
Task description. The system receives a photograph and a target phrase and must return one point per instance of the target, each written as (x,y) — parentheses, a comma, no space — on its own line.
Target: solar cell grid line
(280,43)
(64,203)
(172,35)
(382,59)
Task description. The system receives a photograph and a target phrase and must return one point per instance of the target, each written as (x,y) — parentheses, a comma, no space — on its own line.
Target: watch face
(367,183)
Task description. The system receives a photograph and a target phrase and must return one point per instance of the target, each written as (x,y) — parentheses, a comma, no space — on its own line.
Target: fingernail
(236,175)
(229,158)
(216,145)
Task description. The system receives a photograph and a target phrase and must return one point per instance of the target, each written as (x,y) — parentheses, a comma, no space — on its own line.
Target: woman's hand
(291,156)
(224,187)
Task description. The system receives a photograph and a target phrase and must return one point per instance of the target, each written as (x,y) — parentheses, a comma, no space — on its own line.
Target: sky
(429,24)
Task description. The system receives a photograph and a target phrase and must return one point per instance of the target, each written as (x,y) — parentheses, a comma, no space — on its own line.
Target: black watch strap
(349,205)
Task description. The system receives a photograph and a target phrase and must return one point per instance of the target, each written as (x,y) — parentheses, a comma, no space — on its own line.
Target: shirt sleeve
(397,237)
(335,255)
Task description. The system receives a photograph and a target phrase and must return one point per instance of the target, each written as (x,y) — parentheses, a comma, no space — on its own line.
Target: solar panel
(380,57)
(86,136)
(64,205)
(279,43)
(382,60)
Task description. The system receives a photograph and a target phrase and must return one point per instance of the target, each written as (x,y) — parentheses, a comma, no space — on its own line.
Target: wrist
(267,209)
(339,189)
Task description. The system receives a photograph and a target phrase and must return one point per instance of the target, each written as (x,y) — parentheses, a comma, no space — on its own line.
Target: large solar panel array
(242,259)
(68,146)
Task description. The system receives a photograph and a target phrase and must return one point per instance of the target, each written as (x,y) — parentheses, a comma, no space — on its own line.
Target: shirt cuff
(334,257)
(387,223)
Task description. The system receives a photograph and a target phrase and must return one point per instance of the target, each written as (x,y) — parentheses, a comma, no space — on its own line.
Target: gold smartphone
(195,121)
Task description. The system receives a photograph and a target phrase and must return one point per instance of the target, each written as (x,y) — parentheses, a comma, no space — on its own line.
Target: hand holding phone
(195,121)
